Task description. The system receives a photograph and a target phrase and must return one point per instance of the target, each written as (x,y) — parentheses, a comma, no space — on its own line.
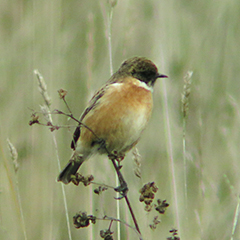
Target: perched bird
(116,115)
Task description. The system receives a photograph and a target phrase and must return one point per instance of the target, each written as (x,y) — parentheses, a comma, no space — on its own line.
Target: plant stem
(124,184)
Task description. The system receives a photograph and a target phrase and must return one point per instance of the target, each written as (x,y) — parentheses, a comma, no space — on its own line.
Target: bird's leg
(119,158)
(123,188)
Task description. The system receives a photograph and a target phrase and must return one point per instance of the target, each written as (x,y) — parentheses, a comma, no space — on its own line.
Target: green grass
(66,41)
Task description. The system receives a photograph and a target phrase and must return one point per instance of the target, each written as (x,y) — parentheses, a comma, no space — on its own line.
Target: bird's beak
(162,76)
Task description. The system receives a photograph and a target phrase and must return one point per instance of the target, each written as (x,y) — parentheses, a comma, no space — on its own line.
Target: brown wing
(92,104)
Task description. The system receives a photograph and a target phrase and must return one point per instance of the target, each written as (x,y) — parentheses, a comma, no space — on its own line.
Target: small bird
(116,116)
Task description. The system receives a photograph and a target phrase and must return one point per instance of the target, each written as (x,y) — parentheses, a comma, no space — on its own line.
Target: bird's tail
(70,169)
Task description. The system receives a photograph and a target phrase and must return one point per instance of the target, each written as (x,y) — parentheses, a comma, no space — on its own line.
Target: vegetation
(192,155)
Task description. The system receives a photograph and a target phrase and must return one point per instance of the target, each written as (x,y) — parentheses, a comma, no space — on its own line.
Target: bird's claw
(122,190)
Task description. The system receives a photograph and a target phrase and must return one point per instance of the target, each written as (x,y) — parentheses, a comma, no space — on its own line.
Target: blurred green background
(67,42)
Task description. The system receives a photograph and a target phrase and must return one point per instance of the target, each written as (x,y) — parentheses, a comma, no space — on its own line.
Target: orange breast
(119,117)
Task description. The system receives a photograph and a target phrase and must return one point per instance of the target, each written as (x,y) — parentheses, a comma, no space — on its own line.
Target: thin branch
(120,221)
(123,185)
(79,122)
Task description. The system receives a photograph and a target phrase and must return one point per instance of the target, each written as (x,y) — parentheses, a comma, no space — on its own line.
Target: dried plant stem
(67,106)
(185,108)
(43,91)
(185,165)
(235,219)
(237,209)
(14,156)
(170,153)
(109,26)
(121,180)
(109,31)
(120,221)
(21,210)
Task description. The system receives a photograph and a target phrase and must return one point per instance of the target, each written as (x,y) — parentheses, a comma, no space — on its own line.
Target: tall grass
(67,42)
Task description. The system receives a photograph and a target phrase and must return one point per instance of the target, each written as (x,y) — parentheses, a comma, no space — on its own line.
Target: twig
(102,184)
(124,184)
(79,122)
(120,221)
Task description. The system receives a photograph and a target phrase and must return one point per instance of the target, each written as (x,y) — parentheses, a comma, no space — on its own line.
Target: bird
(116,116)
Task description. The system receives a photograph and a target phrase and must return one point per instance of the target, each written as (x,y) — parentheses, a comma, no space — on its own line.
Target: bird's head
(142,69)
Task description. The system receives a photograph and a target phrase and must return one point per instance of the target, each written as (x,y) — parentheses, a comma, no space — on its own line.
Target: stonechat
(116,116)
